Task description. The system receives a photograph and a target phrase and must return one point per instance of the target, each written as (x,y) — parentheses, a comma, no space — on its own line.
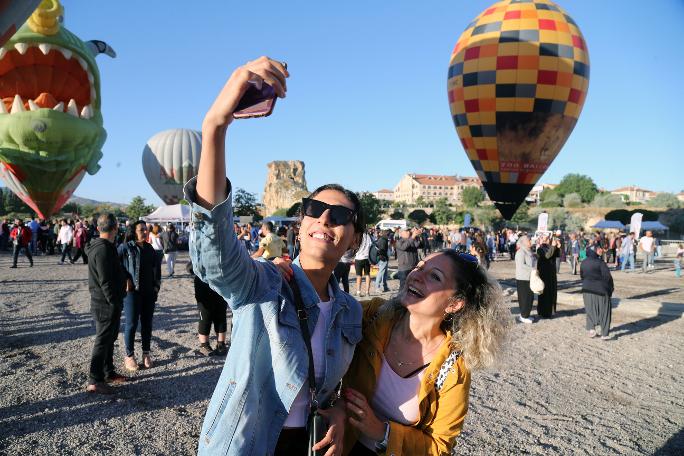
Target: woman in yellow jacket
(407,388)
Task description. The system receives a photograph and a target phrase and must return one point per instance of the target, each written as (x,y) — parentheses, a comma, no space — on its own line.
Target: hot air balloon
(13,13)
(170,159)
(518,78)
(50,120)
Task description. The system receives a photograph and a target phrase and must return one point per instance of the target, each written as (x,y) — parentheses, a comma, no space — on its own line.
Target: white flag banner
(635,224)
(543,222)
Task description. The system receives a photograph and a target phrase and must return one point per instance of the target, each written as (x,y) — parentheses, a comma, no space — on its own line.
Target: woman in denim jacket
(261,401)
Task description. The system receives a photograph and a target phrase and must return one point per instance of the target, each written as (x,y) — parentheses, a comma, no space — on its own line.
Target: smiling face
(430,287)
(320,239)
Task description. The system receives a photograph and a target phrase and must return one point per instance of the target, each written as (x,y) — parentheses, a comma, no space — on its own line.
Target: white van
(391,224)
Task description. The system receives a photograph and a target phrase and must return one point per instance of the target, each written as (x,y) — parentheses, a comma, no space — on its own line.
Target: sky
(367,99)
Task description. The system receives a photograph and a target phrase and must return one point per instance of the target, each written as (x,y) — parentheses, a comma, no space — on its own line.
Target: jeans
(170,262)
(381,278)
(574,262)
(138,307)
(107,322)
(66,251)
(648,261)
(402,275)
(678,267)
(627,259)
(15,254)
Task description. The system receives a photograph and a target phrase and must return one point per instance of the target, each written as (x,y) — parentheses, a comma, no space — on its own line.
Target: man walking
(382,244)
(574,251)
(647,246)
(21,238)
(107,284)
(627,253)
(65,238)
(170,244)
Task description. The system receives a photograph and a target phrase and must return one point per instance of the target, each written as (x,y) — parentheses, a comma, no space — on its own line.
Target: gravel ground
(556,392)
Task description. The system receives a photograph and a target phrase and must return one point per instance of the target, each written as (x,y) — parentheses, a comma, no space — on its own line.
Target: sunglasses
(339,215)
(468,258)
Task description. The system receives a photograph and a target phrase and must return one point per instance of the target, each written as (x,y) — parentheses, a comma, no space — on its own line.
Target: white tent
(171,213)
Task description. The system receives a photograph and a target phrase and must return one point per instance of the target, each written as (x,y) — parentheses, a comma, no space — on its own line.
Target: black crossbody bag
(315,424)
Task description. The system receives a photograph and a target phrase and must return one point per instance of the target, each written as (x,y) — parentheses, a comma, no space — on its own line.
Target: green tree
(608,200)
(397,215)
(549,198)
(442,213)
(577,183)
(420,202)
(71,208)
(372,207)
(667,200)
(521,216)
(293,211)
(282,212)
(486,217)
(572,200)
(245,203)
(419,216)
(137,208)
(471,197)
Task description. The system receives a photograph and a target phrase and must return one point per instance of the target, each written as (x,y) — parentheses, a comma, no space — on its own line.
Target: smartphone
(256,102)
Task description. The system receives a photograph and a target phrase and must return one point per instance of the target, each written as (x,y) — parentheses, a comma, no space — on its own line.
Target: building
(535,194)
(680,196)
(634,194)
(433,187)
(384,195)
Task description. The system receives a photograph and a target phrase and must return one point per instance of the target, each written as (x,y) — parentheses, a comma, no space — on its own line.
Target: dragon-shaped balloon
(50,116)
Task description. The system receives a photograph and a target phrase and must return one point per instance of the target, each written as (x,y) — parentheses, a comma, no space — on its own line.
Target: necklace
(409,363)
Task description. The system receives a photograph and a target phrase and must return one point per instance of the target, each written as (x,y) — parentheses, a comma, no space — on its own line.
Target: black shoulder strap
(303,318)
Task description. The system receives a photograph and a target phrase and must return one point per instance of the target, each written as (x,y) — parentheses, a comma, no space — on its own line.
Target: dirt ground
(556,391)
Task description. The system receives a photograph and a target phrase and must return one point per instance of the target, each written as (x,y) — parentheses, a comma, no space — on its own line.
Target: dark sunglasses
(339,215)
(468,258)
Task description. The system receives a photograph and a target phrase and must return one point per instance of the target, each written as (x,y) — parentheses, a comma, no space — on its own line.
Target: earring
(449,316)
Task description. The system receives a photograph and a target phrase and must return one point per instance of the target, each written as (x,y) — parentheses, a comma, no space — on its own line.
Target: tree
(245,203)
(293,211)
(419,216)
(371,207)
(420,202)
(282,212)
(485,217)
(442,213)
(577,183)
(72,208)
(137,208)
(572,200)
(471,197)
(549,198)
(667,200)
(397,215)
(608,200)
(521,216)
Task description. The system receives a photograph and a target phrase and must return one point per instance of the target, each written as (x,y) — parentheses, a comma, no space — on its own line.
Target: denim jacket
(267,364)
(130,255)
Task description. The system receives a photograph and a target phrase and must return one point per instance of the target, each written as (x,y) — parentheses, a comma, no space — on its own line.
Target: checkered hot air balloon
(518,78)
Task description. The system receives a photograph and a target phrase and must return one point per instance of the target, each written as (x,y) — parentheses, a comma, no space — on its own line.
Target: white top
(395,399)
(646,243)
(364,249)
(156,242)
(66,234)
(300,407)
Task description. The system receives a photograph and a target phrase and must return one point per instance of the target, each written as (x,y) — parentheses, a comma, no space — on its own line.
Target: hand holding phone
(258,101)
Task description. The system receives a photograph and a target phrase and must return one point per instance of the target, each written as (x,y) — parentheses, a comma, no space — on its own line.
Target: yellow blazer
(441,412)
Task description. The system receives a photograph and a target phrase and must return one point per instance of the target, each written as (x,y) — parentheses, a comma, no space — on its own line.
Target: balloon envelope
(518,78)
(170,159)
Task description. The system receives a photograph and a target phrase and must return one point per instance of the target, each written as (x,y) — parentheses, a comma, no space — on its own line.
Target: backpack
(373,254)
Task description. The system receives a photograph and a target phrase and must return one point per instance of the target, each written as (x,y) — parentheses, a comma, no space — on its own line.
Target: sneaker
(14,266)
(205,349)
(606,337)
(61,262)
(130,364)
(591,333)
(147,361)
(527,321)
(99,388)
(117,379)
(31,265)
(221,349)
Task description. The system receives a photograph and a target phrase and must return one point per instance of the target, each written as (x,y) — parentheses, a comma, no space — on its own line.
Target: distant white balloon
(170,159)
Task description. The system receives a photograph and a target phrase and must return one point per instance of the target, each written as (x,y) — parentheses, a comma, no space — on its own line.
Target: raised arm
(211,177)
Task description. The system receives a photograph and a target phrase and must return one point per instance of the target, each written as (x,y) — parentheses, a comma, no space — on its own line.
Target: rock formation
(285,185)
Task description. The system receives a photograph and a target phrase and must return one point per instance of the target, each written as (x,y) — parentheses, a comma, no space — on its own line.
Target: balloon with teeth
(51,128)
(170,159)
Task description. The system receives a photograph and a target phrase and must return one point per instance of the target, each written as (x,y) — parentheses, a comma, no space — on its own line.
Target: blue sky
(367,97)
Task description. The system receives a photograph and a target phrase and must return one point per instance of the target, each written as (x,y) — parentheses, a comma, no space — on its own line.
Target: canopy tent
(170,213)
(652,226)
(609,224)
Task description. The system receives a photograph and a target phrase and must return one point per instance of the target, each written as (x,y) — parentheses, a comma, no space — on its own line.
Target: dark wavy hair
(130,230)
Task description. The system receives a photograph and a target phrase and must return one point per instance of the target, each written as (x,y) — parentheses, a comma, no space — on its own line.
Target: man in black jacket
(597,289)
(382,244)
(107,284)
(407,253)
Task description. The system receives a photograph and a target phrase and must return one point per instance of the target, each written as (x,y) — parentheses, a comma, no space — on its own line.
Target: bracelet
(382,446)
